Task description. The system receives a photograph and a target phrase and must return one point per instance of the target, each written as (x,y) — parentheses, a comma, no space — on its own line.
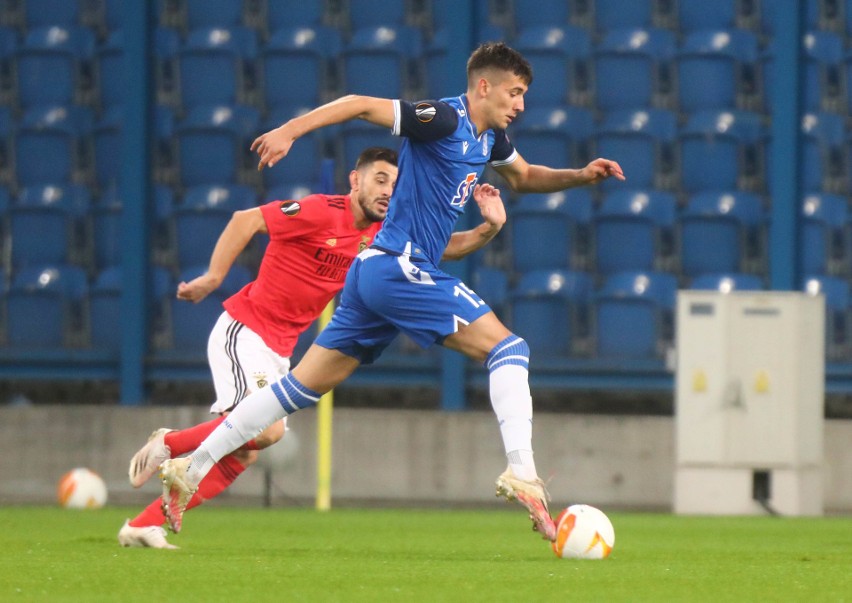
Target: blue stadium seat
(213,13)
(633,230)
(64,13)
(724,62)
(727,282)
(55,132)
(212,65)
(558,54)
(492,286)
(617,14)
(386,50)
(356,135)
(105,306)
(721,232)
(441,79)
(303,163)
(642,142)
(290,191)
(297,66)
(202,215)
(375,13)
(45,223)
(213,142)
(554,135)
(50,297)
(112,15)
(824,237)
(721,151)
(822,67)
(633,315)
(837,312)
(769,15)
(49,63)
(550,310)
(535,13)
(630,67)
(108,148)
(695,15)
(547,230)
(305,13)
(191,323)
(823,156)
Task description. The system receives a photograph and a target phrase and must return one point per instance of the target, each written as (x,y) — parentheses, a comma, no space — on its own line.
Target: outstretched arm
(239,231)
(526,178)
(275,144)
(494,215)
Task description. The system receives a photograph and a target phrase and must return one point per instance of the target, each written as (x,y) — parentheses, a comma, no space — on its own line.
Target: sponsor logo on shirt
(425,112)
(290,208)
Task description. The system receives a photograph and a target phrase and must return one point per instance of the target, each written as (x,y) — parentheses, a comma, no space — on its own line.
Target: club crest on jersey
(290,208)
(365,241)
(260,379)
(425,112)
(331,242)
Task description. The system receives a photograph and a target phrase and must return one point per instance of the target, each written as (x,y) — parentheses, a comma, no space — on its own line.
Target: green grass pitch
(255,555)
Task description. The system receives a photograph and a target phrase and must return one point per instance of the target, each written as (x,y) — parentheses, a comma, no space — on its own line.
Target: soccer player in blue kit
(396,284)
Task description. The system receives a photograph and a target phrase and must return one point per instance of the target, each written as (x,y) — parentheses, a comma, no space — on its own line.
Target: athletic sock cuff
(512,350)
(292,395)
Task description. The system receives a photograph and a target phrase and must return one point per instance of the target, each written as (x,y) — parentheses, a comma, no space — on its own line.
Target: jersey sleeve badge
(425,112)
(290,208)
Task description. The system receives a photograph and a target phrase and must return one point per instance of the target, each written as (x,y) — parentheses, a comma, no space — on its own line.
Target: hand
(601,169)
(490,205)
(197,289)
(273,146)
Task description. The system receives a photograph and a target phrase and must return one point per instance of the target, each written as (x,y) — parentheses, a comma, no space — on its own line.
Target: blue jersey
(441,159)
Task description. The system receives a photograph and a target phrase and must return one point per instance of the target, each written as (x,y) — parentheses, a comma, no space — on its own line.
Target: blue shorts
(387,294)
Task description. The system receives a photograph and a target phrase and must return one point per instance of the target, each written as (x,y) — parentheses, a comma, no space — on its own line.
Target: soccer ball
(583,532)
(81,488)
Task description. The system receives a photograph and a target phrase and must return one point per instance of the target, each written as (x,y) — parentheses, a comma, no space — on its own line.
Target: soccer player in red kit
(312,242)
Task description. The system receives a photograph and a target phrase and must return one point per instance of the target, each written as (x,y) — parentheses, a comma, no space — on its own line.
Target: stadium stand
(631,68)
(722,232)
(633,231)
(550,309)
(633,315)
(52,297)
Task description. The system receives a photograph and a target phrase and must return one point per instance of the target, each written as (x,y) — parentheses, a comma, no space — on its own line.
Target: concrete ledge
(394,456)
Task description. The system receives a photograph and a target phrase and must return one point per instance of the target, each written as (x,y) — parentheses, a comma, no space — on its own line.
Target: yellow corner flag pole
(324,412)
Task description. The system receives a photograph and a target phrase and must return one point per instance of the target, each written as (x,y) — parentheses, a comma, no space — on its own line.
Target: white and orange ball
(583,532)
(81,488)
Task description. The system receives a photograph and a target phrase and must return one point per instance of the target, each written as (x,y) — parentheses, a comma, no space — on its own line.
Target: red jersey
(312,243)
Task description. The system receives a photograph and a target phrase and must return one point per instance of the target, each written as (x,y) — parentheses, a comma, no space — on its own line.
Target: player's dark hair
(496,55)
(374,154)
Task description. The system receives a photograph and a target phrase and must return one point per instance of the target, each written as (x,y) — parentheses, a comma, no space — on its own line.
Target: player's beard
(371,214)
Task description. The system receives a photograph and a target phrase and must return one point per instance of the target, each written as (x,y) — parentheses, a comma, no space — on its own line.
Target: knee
(270,435)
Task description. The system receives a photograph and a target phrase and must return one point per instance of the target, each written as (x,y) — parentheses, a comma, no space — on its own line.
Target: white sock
(253,414)
(512,402)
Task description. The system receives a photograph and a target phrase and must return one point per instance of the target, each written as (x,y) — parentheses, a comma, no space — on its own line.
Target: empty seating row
(563,314)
